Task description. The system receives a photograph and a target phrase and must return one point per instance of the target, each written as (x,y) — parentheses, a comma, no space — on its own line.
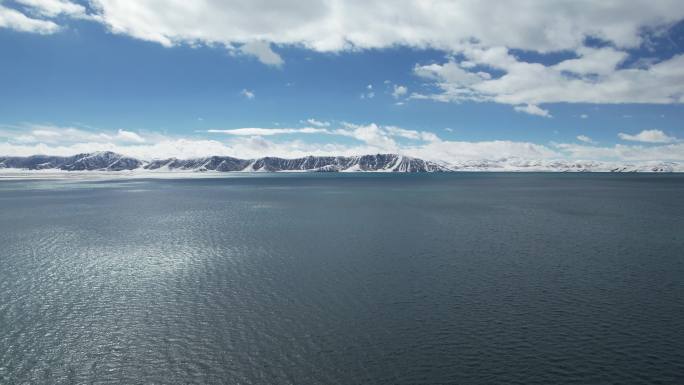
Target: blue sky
(443,80)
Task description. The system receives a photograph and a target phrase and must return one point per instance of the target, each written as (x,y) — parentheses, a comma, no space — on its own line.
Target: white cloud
(32,139)
(371,134)
(456,151)
(620,152)
(34,15)
(648,136)
(256,27)
(248,94)
(587,79)
(254,142)
(129,136)
(51,134)
(448,151)
(533,110)
(13,19)
(383,138)
(337,25)
(584,116)
(52,8)
(317,123)
(411,134)
(601,61)
(399,91)
(262,51)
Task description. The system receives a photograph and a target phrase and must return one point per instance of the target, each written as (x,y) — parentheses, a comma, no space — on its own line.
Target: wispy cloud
(318,123)
(621,152)
(368,93)
(52,8)
(52,134)
(382,137)
(585,139)
(533,109)
(257,131)
(13,19)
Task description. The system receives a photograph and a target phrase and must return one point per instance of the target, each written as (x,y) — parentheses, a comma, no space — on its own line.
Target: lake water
(480,278)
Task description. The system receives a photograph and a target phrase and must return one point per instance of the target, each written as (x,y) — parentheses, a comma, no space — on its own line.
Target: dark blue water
(344,279)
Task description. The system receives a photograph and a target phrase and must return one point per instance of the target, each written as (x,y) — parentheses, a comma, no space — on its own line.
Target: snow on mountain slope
(110,161)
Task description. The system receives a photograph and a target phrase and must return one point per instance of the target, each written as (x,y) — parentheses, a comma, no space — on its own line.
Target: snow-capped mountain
(104,161)
(379,162)
(110,161)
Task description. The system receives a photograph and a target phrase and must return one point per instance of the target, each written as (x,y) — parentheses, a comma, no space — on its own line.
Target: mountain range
(111,161)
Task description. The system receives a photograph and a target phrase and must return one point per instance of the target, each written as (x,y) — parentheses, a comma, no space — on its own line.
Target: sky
(441,80)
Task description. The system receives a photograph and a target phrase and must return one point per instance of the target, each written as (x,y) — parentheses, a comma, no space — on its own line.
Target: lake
(460,278)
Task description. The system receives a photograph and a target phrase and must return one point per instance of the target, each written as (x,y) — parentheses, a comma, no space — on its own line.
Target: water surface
(344,279)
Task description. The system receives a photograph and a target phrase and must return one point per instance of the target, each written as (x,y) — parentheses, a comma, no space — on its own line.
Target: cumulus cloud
(594,77)
(648,136)
(371,134)
(336,25)
(476,35)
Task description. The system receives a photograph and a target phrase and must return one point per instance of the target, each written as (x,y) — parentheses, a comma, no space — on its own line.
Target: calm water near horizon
(468,278)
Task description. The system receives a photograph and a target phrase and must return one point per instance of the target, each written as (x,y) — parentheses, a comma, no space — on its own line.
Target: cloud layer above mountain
(251,142)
